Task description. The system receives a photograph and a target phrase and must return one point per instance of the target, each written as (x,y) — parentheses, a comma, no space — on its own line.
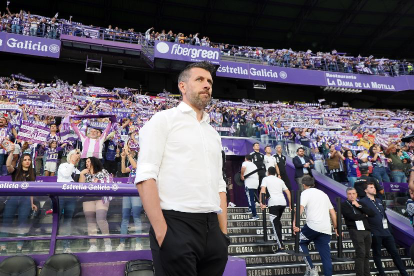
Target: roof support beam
(346,20)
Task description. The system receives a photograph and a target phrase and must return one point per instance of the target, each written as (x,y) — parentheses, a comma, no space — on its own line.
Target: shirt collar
(185,108)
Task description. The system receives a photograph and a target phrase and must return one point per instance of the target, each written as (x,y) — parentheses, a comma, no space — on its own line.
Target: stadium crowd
(35,25)
(333,137)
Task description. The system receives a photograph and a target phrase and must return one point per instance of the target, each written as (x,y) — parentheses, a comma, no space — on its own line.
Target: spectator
(303,166)
(379,163)
(319,161)
(396,165)
(334,162)
(23,204)
(96,208)
(129,204)
(67,172)
(352,167)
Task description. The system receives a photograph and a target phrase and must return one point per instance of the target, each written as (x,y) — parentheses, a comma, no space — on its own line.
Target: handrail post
(55,224)
(263,200)
(296,251)
(339,245)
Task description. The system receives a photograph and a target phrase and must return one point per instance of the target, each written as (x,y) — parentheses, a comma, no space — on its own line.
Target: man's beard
(199,102)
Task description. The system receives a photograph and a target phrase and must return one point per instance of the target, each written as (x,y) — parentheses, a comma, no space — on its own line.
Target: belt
(397,170)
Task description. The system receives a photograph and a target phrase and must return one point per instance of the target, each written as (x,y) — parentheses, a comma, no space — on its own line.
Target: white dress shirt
(269,161)
(183,156)
(65,172)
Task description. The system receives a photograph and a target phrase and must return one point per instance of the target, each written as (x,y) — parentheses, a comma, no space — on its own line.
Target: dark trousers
(362,244)
(251,194)
(322,244)
(285,179)
(193,245)
(275,214)
(389,243)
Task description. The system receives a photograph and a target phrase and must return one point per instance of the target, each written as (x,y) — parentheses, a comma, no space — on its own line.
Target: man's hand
(262,206)
(242,177)
(295,230)
(306,165)
(356,204)
(161,236)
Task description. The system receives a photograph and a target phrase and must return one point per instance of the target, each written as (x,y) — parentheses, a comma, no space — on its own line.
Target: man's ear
(182,87)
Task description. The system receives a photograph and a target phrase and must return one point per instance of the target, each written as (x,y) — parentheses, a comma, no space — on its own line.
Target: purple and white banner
(35,97)
(184,52)
(29,45)
(33,131)
(52,112)
(267,73)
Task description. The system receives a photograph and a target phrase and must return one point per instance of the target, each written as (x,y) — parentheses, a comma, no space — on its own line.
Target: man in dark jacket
(281,163)
(364,179)
(355,215)
(381,234)
(303,166)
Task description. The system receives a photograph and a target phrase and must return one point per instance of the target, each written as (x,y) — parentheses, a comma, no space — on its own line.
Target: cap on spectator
(363,169)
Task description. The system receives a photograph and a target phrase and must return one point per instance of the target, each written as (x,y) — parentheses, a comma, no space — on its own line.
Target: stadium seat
(18,266)
(61,265)
(139,268)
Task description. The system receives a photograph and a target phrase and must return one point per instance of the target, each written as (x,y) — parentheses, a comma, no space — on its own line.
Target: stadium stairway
(261,259)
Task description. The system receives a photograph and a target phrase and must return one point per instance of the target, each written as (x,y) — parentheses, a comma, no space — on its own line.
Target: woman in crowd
(334,161)
(96,208)
(352,167)
(67,172)
(379,164)
(23,204)
(319,160)
(130,202)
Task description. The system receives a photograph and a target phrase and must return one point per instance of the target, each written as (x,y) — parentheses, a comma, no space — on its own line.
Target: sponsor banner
(33,131)
(184,52)
(364,82)
(29,45)
(35,97)
(118,188)
(52,112)
(267,73)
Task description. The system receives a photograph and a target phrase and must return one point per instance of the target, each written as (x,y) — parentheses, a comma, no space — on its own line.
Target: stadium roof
(383,28)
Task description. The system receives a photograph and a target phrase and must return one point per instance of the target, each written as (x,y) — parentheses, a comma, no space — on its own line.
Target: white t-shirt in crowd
(252,182)
(317,206)
(275,186)
(269,161)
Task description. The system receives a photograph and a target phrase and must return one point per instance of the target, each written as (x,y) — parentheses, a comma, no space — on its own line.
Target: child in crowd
(52,153)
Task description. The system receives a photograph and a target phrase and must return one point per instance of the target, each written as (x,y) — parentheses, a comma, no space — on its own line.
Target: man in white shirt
(270,161)
(319,212)
(251,183)
(277,202)
(179,179)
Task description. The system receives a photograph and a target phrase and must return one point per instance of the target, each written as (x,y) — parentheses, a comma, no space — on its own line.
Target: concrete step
(300,268)
(271,247)
(263,259)
(254,238)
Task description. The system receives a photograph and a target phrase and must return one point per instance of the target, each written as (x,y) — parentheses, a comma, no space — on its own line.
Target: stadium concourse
(321,90)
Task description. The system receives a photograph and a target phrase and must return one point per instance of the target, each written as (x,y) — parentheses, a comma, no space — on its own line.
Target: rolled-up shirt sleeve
(152,139)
